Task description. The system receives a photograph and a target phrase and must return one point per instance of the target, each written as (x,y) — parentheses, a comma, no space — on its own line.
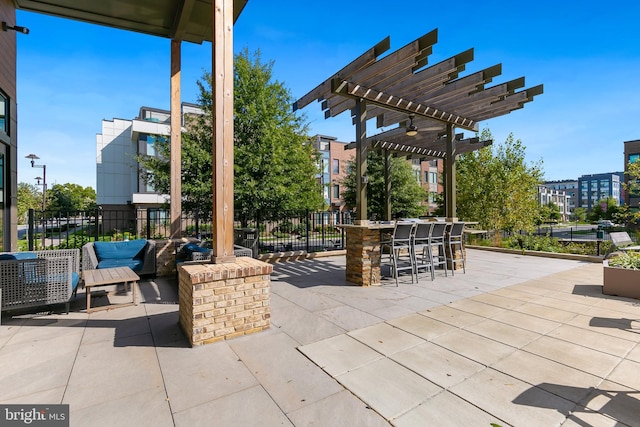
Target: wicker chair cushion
(134,264)
(119,250)
(18,255)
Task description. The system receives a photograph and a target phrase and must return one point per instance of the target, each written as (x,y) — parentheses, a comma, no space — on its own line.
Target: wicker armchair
(39,278)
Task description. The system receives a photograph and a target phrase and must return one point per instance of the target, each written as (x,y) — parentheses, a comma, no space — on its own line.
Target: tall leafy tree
(28,198)
(497,187)
(275,166)
(407,196)
(71,198)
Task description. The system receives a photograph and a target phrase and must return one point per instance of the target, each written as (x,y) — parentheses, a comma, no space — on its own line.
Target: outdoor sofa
(38,278)
(139,255)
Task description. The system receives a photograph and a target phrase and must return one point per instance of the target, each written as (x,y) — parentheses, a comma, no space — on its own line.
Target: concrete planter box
(622,282)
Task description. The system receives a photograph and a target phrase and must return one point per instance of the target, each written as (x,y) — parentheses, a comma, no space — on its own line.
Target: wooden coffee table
(109,276)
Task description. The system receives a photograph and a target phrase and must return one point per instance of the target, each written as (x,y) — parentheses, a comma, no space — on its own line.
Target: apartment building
(596,187)
(119,185)
(560,198)
(430,173)
(334,161)
(570,188)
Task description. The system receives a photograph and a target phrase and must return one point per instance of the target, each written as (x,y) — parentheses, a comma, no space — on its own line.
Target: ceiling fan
(412,129)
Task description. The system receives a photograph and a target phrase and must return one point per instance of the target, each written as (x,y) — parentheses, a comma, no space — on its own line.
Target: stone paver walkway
(516,341)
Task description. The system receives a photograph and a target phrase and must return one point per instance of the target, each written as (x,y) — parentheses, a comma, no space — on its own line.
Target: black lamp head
(17,28)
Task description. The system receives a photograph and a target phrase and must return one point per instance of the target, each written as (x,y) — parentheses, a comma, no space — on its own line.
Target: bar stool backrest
(437,232)
(402,233)
(423,232)
(457,229)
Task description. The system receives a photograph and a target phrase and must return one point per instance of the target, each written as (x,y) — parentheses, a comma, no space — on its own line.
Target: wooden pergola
(400,91)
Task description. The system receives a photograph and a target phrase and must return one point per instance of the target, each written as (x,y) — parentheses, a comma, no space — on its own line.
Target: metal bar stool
(438,242)
(421,246)
(400,249)
(455,240)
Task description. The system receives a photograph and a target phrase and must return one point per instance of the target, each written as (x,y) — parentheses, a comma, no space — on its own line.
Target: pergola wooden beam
(364,60)
(388,70)
(391,102)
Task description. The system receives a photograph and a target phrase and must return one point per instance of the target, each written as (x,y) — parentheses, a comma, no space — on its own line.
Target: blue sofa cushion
(134,264)
(186,250)
(119,250)
(18,255)
(75,279)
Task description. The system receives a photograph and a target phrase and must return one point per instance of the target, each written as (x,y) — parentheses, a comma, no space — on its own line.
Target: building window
(336,191)
(336,166)
(433,177)
(634,158)
(4,113)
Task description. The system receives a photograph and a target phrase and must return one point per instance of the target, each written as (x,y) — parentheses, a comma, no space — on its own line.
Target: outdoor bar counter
(363,252)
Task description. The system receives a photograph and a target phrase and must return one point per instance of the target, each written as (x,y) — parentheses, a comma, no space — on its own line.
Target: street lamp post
(33,159)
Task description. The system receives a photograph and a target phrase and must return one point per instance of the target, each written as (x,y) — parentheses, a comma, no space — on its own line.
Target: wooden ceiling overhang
(400,85)
(184,20)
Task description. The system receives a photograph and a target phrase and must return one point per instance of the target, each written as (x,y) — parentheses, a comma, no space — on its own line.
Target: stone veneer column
(363,255)
(222,301)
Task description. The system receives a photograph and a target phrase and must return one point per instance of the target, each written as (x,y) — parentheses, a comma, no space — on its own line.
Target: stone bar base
(222,301)
(457,255)
(363,255)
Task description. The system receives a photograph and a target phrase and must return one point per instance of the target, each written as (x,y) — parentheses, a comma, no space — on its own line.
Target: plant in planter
(622,275)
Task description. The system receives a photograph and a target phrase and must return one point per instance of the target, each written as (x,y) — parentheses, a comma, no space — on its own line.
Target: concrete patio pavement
(515,341)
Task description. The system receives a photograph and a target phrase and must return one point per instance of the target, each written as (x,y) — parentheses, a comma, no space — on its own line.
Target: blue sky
(72,75)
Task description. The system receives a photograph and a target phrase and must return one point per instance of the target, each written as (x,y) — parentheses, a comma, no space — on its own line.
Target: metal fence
(308,231)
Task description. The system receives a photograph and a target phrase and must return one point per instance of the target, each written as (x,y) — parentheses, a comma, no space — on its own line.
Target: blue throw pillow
(119,250)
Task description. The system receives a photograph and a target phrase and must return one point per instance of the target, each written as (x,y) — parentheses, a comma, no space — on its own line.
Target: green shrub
(630,260)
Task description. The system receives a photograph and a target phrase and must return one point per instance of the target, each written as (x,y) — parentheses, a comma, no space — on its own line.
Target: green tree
(605,209)
(71,198)
(497,188)
(549,213)
(407,196)
(631,214)
(28,198)
(275,165)
(579,214)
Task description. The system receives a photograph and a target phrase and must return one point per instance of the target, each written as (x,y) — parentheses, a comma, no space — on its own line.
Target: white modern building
(118,181)
(561,199)
(570,187)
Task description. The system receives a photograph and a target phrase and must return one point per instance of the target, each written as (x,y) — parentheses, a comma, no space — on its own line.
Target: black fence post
(322,229)
(148,223)
(31,232)
(308,229)
(96,230)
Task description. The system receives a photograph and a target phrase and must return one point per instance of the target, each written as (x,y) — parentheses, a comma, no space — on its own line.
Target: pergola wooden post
(176,142)
(450,176)
(361,161)
(387,185)
(222,143)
